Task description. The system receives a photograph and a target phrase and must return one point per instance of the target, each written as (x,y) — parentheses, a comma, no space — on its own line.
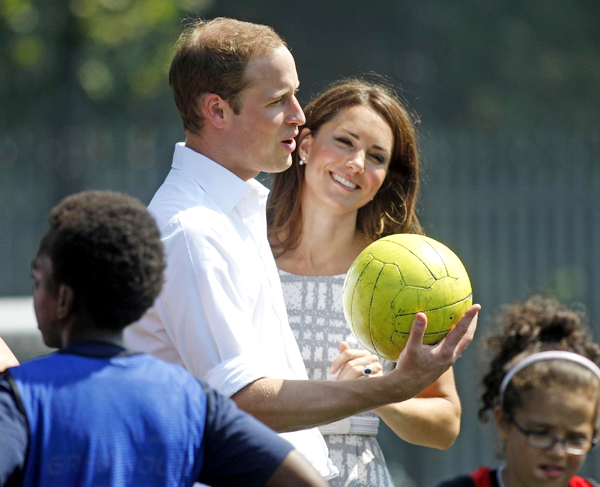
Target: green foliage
(102,52)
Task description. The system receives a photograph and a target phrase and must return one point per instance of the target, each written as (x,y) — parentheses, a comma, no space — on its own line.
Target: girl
(543,388)
(355,179)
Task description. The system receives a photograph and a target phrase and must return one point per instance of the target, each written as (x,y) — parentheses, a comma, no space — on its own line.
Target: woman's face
(347,159)
(560,413)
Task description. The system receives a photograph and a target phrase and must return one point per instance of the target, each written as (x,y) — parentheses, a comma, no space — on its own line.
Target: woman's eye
(379,159)
(344,141)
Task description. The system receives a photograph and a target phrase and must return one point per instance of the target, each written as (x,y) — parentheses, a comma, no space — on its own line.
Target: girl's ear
(502,422)
(305,142)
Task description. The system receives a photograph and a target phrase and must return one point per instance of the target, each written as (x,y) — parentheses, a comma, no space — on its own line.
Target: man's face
(45,300)
(261,136)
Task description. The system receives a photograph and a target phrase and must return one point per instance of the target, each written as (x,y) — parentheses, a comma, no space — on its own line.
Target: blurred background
(508,96)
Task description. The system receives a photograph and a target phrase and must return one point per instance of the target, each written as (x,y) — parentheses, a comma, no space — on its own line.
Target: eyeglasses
(574,445)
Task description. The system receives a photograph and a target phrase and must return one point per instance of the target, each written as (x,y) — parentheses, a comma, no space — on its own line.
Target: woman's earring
(302,161)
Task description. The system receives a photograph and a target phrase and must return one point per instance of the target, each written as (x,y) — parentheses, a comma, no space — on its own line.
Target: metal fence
(518,209)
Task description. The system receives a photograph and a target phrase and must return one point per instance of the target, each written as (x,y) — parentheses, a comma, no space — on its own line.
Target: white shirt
(221,312)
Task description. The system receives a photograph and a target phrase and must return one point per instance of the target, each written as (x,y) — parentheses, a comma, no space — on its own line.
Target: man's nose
(296,115)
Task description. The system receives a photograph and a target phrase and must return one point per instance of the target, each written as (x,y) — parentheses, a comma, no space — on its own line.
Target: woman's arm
(432,418)
(7,358)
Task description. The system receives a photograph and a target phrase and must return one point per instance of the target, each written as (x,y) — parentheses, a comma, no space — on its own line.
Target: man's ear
(214,109)
(65,300)
(502,422)
(305,138)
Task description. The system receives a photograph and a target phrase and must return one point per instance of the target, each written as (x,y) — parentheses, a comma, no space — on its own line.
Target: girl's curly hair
(531,326)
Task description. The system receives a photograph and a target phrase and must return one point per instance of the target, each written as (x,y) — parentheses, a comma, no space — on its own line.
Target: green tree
(64,59)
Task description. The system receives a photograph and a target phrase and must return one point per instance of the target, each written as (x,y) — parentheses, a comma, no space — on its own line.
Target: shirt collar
(220,184)
(96,349)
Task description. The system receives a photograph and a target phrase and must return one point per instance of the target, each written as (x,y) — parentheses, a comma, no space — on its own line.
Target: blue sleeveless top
(125,420)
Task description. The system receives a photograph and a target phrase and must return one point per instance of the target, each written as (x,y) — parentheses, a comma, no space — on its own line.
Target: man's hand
(420,365)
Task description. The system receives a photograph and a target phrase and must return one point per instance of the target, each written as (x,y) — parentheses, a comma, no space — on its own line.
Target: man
(221,313)
(97,414)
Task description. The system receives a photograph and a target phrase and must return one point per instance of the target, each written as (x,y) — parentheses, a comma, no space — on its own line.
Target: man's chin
(276,166)
(284,166)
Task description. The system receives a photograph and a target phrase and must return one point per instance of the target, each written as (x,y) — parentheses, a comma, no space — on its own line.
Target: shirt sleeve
(206,308)
(239,449)
(14,434)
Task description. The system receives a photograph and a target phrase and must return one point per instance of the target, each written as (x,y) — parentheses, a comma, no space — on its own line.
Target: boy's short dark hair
(107,248)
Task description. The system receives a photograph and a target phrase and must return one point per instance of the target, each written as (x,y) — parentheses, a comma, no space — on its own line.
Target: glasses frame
(528,433)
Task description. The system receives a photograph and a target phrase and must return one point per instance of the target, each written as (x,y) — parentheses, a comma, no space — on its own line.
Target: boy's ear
(502,422)
(65,299)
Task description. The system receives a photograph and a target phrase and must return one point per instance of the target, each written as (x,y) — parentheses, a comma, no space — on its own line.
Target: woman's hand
(353,363)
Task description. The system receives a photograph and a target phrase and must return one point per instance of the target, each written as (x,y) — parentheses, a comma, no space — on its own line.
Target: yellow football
(396,277)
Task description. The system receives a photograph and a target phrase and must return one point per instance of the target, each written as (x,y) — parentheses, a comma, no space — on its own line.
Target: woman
(355,179)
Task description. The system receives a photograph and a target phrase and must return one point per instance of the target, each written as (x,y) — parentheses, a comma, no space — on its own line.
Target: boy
(96,414)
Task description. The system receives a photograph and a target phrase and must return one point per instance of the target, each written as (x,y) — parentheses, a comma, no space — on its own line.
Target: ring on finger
(367,370)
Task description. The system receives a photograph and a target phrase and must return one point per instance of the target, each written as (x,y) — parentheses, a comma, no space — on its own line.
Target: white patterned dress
(314,306)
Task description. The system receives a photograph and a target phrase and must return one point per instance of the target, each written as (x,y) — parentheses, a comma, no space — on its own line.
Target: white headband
(549,355)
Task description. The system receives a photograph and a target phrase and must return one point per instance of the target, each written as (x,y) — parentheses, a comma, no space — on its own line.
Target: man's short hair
(107,248)
(211,58)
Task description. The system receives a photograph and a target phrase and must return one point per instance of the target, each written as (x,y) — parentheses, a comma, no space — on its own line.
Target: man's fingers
(417,331)
(463,332)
